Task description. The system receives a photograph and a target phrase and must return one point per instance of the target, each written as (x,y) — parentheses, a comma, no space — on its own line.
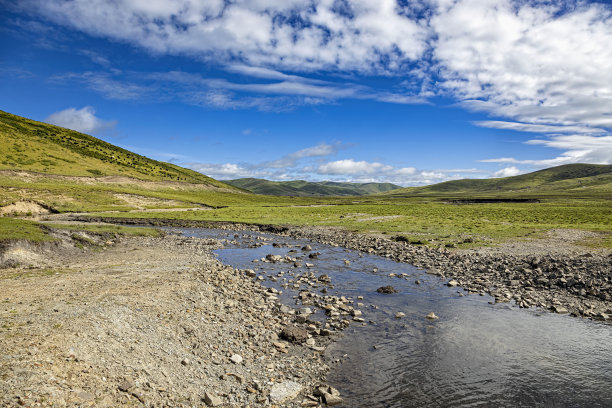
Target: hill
(566,179)
(301,188)
(39,147)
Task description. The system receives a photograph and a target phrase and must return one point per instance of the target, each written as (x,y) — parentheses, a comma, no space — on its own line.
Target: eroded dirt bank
(149,322)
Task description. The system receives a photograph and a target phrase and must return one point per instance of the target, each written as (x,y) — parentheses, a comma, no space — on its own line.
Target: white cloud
(369,36)
(578,149)
(544,63)
(534,128)
(290,160)
(507,172)
(82,120)
(352,167)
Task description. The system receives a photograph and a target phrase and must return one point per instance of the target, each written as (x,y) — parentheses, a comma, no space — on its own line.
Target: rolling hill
(301,188)
(565,179)
(39,147)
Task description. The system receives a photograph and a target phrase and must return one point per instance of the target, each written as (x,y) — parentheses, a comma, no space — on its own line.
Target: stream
(477,353)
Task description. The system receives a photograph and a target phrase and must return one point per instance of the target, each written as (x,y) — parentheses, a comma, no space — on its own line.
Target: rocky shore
(579,284)
(154,322)
(551,274)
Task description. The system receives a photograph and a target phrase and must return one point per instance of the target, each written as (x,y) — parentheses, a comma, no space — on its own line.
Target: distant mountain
(569,178)
(303,188)
(35,146)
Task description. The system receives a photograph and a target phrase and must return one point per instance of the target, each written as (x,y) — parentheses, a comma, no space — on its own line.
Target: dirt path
(147,322)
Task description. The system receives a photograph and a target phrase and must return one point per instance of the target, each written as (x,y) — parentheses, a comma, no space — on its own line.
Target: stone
(431,316)
(386,289)
(236,359)
(560,309)
(452,283)
(285,391)
(306,248)
(125,385)
(185,361)
(294,334)
(212,400)
(399,315)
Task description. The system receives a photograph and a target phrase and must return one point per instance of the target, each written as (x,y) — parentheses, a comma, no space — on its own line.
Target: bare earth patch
(148,322)
(24,207)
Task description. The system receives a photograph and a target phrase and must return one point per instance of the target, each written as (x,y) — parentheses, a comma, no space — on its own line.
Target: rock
(294,334)
(125,385)
(274,258)
(306,248)
(399,315)
(212,400)
(431,316)
(236,359)
(330,395)
(560,309)
(185,361)
(386,289)
(324,278)
(452,283)
(285,391)
(347,262)
(250,273)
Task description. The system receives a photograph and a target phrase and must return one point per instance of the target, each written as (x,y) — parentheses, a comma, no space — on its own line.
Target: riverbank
(549,272)
(149,321)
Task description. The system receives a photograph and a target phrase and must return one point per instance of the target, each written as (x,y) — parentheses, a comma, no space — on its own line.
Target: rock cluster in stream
(577,284)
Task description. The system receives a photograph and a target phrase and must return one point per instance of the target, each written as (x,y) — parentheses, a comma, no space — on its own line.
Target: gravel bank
(549,273)
(151,322)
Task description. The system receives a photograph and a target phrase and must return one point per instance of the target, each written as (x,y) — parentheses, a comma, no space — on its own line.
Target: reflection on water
(476,354)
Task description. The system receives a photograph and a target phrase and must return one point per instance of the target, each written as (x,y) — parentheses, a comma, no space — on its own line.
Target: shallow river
(476,354)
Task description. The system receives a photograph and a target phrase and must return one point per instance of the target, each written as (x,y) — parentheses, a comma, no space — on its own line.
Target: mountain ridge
(302,188)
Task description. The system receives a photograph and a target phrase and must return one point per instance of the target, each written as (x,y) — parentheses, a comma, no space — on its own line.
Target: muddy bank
(151,322)
(548,274)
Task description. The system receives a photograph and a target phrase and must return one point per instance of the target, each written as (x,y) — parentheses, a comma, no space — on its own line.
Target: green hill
(34,146)
(572,179)
(301,188)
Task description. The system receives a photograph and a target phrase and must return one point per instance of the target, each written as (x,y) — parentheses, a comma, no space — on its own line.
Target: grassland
(44,148)
(69,172)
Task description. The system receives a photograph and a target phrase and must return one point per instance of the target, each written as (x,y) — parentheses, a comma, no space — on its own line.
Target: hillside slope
(34,146)
(567,179)
(301,188)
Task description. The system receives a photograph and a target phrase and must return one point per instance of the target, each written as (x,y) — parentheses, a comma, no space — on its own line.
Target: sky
(411,92)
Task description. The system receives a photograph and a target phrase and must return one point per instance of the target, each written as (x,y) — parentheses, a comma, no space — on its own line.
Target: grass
(427,220)
(12,229)
(35,146)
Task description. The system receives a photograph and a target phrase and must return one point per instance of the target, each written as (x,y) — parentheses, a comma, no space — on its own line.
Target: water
(477,354)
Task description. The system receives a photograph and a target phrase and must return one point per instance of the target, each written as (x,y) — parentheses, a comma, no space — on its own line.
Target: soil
(146,322)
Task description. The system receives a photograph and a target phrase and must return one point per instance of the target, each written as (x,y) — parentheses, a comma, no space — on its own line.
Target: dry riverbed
(150,322)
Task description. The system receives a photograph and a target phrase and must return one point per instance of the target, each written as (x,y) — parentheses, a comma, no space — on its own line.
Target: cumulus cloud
(544,63)
(507,172)
(298,34)
(82,120)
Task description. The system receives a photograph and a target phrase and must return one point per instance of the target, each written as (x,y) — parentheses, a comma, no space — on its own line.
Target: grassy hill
(34,146)
(301,188)
(569,179)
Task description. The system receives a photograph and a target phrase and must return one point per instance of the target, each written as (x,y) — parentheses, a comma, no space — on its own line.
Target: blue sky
(411,92)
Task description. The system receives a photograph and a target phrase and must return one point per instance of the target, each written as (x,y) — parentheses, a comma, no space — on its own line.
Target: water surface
(477,354)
